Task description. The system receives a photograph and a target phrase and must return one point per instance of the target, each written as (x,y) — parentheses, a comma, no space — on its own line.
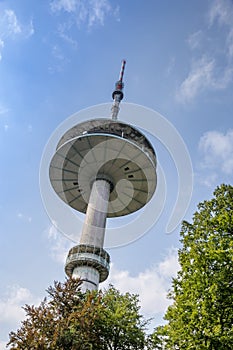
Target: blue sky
(58,57)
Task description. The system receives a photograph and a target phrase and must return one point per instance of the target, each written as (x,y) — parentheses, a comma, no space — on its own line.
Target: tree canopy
(69,319)
(201,316)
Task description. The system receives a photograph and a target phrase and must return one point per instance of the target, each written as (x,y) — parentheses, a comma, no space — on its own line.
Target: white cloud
(63,34)
(57,53)
(169,266)
(98,12)
(194,40)
(21,216)
(3,109)
(217,149)
(29,128)
(209,180)
(213,69)
(59,60)
(152,285)
(230,43)
(77,14)
(29,29)
(13,25)
(65,5)
(203,76)
(89,12)
(11,307)
(3,345)
(198,79)
(171,65)
(222,13)
(11,28)
(59,244)
(11,310)
(1,47)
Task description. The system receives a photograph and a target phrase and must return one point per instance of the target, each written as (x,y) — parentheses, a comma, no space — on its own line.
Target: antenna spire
(122,71)
(117,94)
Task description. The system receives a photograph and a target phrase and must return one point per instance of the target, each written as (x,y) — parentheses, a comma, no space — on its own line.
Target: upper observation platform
(104,149)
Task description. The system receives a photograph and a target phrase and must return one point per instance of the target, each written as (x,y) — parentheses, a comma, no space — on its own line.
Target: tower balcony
(88,255)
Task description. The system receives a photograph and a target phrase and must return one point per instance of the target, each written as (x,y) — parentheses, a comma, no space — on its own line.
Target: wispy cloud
(171,65)
(63,30)
(3,109)
(209,180)
(29,128)
(88,12)
(221,12)
(99,11)
(11,305)
(12,28)
(217,150)
(200,77)
(65,5)
(3,345)
(11,309)
(151,285)
(195,40)
(74,16)
(205,74)
(57,53)
(1,47)
(59,244)
(12,24)
(212,55)
(29,29)
(59,59)
(24,217)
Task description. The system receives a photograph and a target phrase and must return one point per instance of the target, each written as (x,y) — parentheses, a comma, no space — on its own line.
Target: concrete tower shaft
(86,262)
(103,168)
(96,214)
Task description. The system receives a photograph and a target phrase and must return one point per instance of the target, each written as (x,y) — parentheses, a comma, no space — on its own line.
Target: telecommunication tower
(104,168)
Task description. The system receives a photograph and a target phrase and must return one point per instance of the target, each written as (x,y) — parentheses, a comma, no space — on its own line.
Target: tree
(69,319)
(201,316)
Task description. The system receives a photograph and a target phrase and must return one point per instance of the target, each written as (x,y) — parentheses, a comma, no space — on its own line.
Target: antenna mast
(117,94)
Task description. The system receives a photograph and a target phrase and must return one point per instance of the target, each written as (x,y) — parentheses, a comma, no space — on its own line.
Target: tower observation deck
(103,168)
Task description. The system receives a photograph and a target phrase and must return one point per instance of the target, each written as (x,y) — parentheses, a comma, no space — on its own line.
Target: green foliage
(158,339)
(71,320)
(201,316)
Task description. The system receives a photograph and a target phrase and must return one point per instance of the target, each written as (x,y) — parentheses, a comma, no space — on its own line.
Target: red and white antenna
(122,70)
(117,94)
